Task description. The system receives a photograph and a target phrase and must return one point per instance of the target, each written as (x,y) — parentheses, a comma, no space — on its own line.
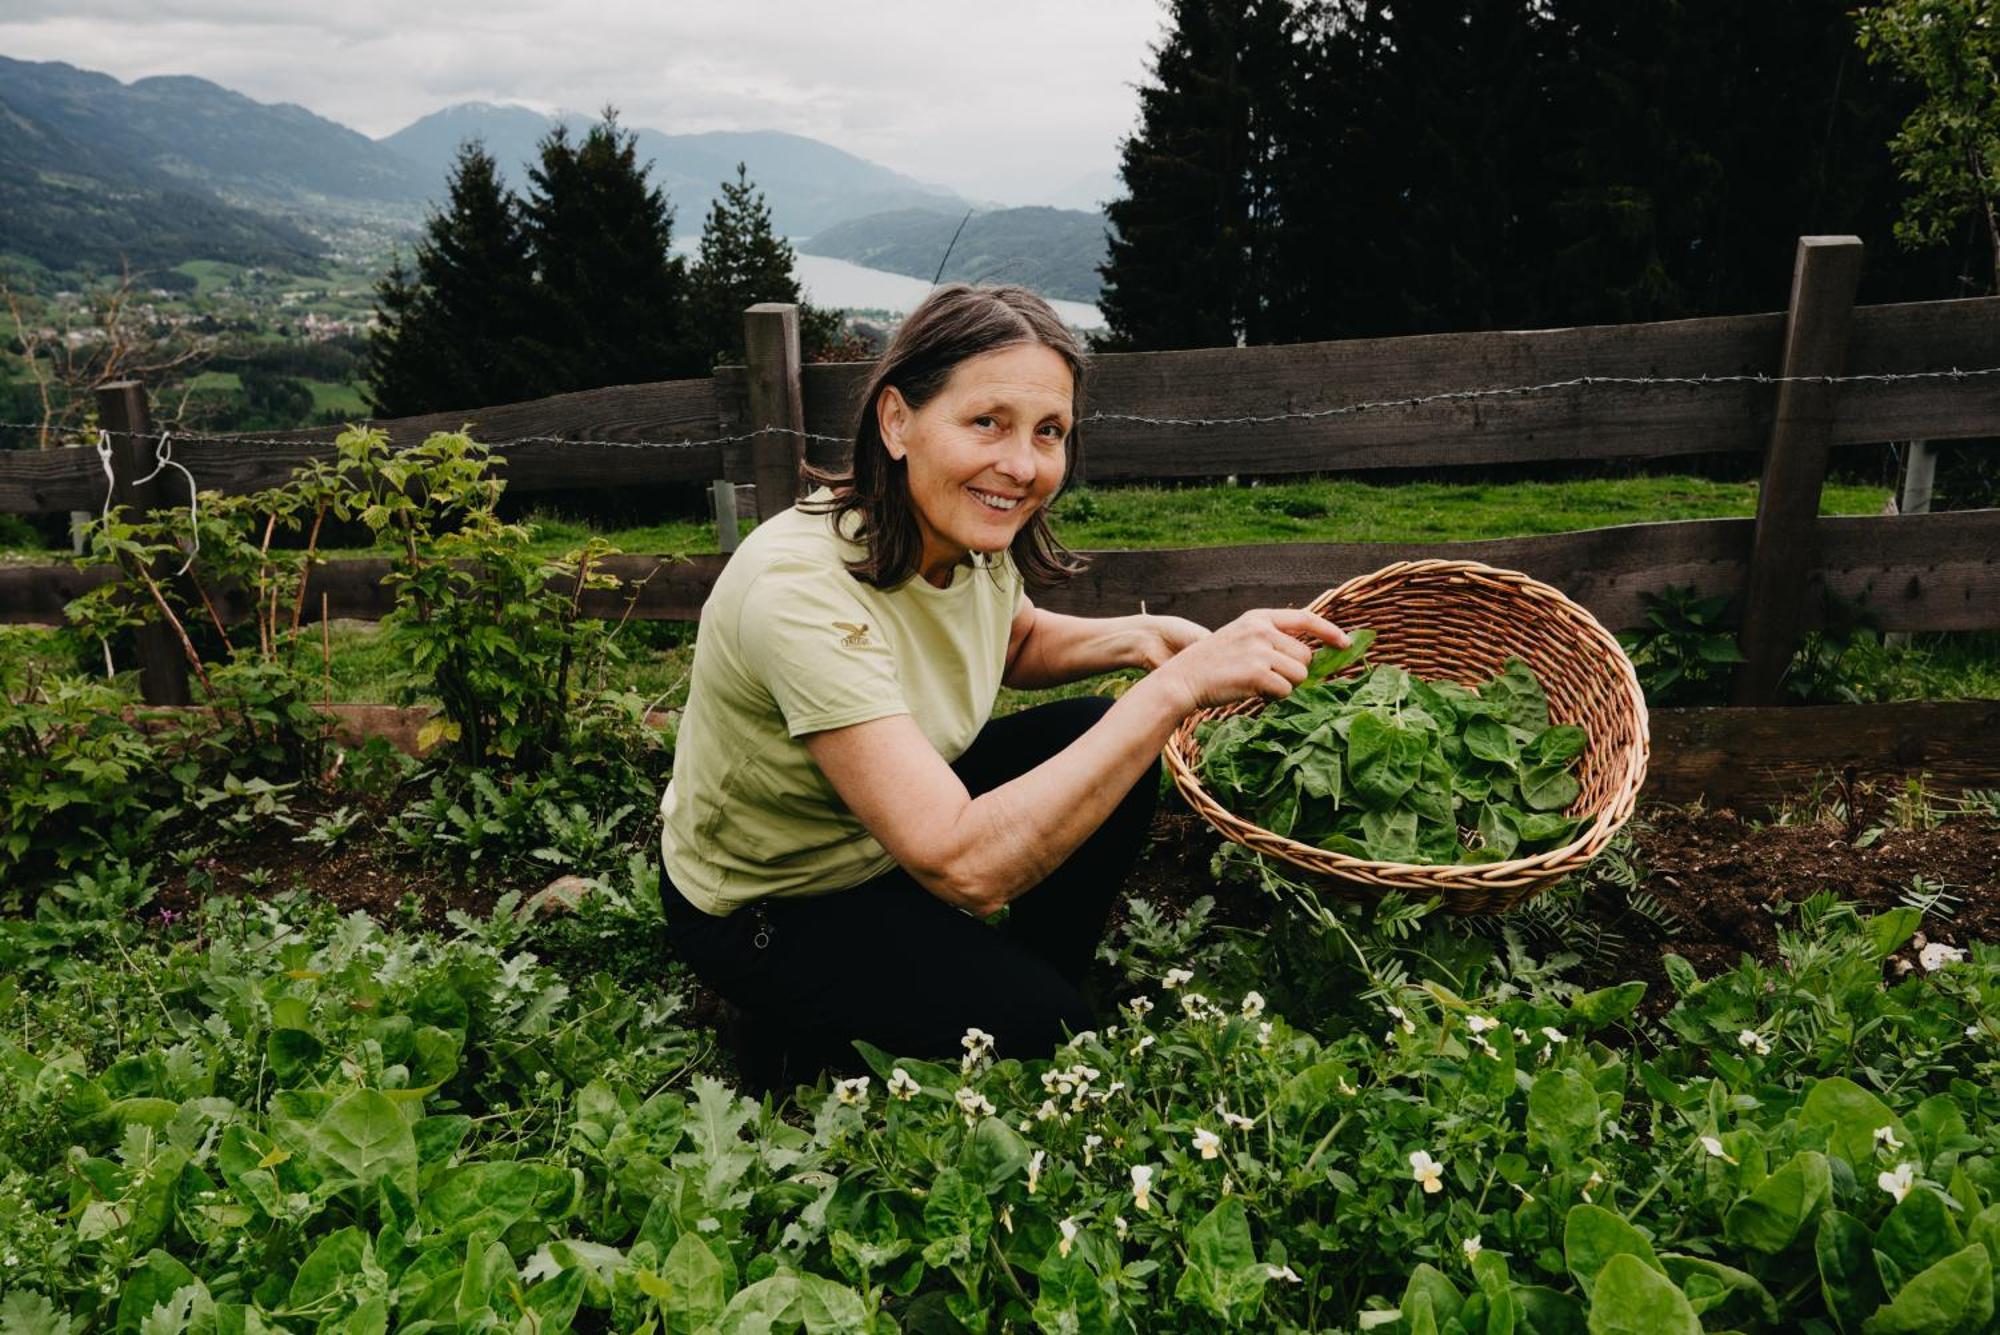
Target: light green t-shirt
(790,643)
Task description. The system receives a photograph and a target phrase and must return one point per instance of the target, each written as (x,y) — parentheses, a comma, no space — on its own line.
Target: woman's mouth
(995,501)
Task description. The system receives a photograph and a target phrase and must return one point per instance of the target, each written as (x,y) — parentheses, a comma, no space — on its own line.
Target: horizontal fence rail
(1917,572)
(616,434)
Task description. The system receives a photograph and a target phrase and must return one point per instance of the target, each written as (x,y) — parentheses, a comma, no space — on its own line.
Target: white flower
(1123,1228)
(1145,1041)
(901,1086)
(1082,1037)
(1035,1169)
(1140,1007)
(1471,1247)
(1427,1171)
(1347,1089)
(1253,1005)
(1479,1024)
(1194,1005)
(1754,1041)
(1972,1031)
(1007,1215)
(1715,1150)
(1409,1025)
(1068,1230)
(1898,1183)
(1263,1033)
(1885,1139)
(1937,954)
(853,1093)
(1520,1034)
(977,1042)
(973,1104)
(1048,1111)
(1283,1273)
(1207,1142)
(1485,1045)
(1142,1186)
(1090,1144)
(1177,978)
(1554,1035)
(1235,1121)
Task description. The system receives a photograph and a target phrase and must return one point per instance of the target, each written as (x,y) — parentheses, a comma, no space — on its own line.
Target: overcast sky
(1004,101)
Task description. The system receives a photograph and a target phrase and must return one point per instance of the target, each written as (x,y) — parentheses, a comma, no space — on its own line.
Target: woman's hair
(951,325)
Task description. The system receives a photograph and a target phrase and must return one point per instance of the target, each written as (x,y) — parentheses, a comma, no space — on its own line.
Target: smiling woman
(844,810)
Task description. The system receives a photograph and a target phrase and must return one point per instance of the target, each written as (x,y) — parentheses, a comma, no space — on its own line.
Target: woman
(843,811)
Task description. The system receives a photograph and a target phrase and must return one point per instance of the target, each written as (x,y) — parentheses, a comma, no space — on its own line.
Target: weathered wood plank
(1824,278)
(1751,756)
(771,347)
(1595,422)
(1918,572)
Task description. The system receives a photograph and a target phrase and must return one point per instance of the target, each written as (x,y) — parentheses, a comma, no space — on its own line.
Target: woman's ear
(892,417)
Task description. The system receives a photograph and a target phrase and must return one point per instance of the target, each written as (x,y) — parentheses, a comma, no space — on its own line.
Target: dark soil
(1717,875)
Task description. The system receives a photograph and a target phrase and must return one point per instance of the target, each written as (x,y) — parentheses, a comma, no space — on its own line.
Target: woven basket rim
(1612,812)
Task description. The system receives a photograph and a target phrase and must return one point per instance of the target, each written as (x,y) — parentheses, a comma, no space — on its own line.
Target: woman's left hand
(1160,638)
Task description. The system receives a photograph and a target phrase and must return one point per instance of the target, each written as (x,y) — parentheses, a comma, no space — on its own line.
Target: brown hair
(953,324)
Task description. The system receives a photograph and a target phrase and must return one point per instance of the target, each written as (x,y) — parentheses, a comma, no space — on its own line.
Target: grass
(342,398)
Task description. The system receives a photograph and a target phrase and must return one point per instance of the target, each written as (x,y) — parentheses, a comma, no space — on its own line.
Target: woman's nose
(1017,462)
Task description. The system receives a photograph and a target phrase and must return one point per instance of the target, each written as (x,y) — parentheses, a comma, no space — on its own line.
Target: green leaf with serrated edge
(1848,1280)
(1772,1216)
(1592,1235)
(1955,1295)
(1631,1298)
(1852,1117)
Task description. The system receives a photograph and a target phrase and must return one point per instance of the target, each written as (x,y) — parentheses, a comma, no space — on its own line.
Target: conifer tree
(743,261)
(1190,241)
(614,307)
(458,332)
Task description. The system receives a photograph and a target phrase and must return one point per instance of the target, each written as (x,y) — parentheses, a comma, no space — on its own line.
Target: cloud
(999,102)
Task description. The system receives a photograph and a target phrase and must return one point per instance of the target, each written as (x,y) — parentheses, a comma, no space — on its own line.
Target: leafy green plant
(1384,766)
(1683,654)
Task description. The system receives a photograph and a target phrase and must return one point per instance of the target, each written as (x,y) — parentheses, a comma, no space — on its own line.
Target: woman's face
(985,453)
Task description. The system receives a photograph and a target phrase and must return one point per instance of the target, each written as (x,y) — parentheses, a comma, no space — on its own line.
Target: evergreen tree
(614,307)
(457,332)
(1190,246)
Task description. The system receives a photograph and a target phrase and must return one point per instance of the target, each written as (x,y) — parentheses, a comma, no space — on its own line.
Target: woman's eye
(983,420)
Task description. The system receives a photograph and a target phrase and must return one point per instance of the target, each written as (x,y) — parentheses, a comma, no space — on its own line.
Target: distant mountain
(1054,251)
(1090,191)
(279,158)
(70,201)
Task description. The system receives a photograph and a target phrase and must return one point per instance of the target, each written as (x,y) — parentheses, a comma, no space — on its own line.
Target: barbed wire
(1137,419)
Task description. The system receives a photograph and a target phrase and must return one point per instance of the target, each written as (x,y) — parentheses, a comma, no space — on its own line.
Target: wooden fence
(1629,391)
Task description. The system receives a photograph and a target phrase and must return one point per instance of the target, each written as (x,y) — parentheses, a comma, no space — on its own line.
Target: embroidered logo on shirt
(857,635)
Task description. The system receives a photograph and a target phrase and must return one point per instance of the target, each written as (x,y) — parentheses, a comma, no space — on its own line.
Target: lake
(831,282)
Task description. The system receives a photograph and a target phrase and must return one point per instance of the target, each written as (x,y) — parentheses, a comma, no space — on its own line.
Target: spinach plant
(1388,767)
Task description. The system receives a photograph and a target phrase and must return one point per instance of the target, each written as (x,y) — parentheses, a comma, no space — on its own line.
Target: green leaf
(1549,788)
(292,1053)
(1331,662)
(956,1217)
(1383,760)
(339,1256)
(1593,1235)
(1919,1232)
(1607,1005)
(1771,1217)
(153,1283)
(1848,1280)
(1736,1297)
(1887,933)
(366,1137)
(1222,1272)
(1488,739)
(1547,1311)
(1852,1116)
(1562,1114)
(1954,1295)
(697,1287)
(993,1153)
(1632,1298)
(1430,1285)
(1068,1296)
(1554,745)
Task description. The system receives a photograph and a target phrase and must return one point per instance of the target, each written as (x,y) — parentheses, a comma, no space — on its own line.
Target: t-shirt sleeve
(810,639)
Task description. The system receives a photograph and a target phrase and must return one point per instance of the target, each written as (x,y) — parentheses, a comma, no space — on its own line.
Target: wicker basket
(1461,621)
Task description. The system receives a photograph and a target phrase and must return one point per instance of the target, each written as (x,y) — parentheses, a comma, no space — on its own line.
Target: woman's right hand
(1258,654)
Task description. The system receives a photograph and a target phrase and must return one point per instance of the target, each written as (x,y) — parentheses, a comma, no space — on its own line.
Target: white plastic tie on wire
(164,458)
(110,479)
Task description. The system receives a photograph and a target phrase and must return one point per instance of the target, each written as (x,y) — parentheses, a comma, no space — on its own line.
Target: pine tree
(741,262)
(457,333)
(614,304)
(1191,240)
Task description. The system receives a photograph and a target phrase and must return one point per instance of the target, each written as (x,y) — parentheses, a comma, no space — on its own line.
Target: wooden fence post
(123,411)
(1825,273)
(723,495)
(771,347)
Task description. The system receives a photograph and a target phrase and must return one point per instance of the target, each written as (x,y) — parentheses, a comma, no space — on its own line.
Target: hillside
(810,185)
(67,202)
(1054,251)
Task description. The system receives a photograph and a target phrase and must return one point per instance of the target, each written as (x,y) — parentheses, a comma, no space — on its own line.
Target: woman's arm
(1047,648)
(978,853)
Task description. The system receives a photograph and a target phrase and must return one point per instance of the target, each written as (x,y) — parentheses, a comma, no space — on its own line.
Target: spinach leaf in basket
(1367,760)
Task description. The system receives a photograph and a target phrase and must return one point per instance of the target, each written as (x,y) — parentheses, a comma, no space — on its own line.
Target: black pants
(889,962)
